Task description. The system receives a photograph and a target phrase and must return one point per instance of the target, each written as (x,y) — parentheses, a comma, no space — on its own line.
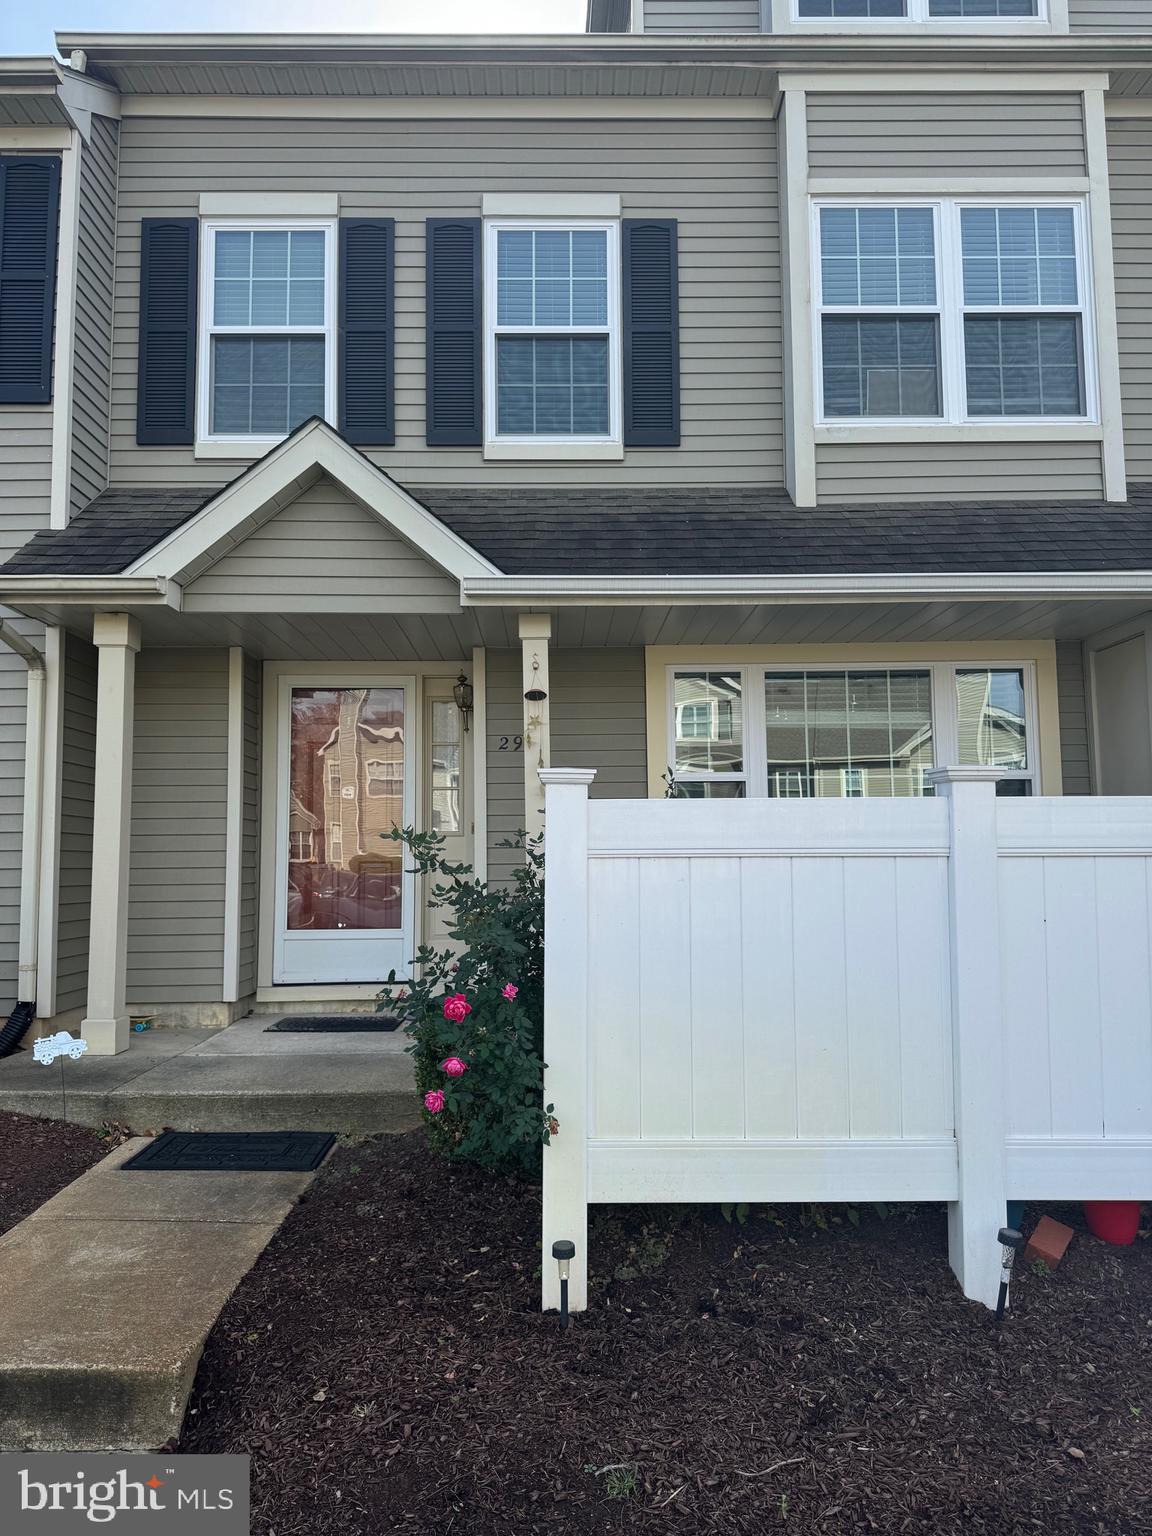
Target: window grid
(957,733)
(1064,388)
(552,349)
(918,12)
(266,356)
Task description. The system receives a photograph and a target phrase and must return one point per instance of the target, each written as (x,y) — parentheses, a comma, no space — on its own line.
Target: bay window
(552,307)
(267,347)
(952,311)
(837,732)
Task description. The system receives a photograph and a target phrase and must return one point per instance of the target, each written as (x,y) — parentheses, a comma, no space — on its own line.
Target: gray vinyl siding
(1074,755)
(597,721)
(95,276)
(250,830)
(715,16)
(1032,134)
(326,548)
(179,806)
(1110,15)
(77,792)
(1130,167)
(856,472)
(718,178)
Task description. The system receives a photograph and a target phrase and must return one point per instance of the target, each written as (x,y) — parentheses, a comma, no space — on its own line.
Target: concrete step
(111,1289)
(238,1079)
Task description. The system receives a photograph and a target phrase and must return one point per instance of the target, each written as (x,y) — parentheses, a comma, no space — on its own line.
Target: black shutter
(455,341)
(367,331)
(166,376)
(29,211)
(651,334)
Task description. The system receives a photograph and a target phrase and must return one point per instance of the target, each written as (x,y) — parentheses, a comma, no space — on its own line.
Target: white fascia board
(224,521)
(944,77)
(436,108)
(137,591)
(579,591)
(80,95)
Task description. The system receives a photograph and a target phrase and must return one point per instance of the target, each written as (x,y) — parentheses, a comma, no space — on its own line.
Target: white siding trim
(63,365)
(940,186)
(799,444)
(479,734)
(861,431)
(550,205)
(917,81)
(289,205)
(1104,291)
(446,107)
(234,826)
(52,764)
(35,140)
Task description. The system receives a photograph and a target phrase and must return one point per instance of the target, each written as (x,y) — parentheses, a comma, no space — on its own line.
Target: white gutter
(33,812)
(701,591)
(101,591)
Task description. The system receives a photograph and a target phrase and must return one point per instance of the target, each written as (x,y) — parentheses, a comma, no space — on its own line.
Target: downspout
(25,1010)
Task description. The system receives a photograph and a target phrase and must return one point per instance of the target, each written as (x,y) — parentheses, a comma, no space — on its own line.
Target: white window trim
(945,712)
(1051,16)
(951,308)
(539,446)
(219,444)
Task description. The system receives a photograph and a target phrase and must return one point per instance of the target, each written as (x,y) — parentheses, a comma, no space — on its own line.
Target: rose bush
(475,1013)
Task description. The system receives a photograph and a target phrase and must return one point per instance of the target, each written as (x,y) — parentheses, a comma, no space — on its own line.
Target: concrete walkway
(110,1290)
(236,1079)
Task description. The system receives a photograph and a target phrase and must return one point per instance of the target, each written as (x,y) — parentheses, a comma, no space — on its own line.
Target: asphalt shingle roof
(710,531)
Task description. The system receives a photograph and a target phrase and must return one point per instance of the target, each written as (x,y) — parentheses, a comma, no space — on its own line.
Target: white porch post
(566,1028)
(535,632)
(977,1035)
(117,639)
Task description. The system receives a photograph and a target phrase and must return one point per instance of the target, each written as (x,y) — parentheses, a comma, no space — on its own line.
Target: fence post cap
(963,774)
(582,776)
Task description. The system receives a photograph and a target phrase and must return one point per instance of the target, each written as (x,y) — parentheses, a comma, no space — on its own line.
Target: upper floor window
(267,345)
(951,311)
(553,342)
(919,10)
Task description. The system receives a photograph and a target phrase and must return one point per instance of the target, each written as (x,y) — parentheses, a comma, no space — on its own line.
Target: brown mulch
(387,1369)
(37,1158)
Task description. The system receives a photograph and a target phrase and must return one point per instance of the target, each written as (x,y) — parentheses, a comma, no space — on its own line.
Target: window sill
(535,452)
(962,432)
(252,448)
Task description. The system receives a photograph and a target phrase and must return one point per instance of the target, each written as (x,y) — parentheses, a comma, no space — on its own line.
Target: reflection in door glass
(347,793)
(445,747)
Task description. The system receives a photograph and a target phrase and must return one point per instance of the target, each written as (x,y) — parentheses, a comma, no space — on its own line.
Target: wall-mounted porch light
(463,694)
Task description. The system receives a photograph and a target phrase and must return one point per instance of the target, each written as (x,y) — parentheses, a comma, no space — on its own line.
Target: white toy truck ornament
(62,1044)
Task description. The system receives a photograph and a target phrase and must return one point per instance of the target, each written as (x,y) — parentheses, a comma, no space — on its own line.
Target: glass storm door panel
(344,898)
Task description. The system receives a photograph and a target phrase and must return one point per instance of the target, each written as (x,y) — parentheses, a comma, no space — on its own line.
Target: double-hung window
(953,311)
(553,344)
(831,732)
(919,10)
(267,346)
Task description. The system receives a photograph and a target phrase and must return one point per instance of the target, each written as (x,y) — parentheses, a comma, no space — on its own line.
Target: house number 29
(511,744)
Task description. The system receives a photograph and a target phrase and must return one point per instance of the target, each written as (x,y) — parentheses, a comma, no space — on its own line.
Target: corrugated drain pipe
(25,1010)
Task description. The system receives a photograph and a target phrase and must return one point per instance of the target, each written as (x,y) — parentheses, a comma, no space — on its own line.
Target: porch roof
(711,531)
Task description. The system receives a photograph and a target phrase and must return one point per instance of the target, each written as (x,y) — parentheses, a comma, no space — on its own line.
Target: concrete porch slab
(111,1289)
(235,1079)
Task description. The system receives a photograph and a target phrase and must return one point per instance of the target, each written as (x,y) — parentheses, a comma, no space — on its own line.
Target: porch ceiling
(451,637)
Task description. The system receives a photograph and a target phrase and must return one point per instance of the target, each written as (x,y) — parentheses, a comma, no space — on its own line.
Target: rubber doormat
(232,1152)
(334,1024)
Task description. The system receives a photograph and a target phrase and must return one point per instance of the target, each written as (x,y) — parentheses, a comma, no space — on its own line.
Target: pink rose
(434,1101)
(456,1009)
(509,991)
(453,1066)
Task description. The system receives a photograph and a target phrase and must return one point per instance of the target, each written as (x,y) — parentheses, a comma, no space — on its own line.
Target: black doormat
(233,1152)
(334,1024)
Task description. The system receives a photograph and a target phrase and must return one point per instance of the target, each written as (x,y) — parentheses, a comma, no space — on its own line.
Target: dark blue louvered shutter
(166,374)
(651,334)
(29,214)
(367,331)
(455,340)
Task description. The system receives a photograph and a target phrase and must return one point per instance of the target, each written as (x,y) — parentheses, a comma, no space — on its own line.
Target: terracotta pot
(1113,1221)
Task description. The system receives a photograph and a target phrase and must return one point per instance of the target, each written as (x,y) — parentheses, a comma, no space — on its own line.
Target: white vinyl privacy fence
(847,1000)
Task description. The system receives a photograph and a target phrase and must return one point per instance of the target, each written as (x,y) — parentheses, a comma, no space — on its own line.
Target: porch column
(117,639)
(535,632)
(977,1215)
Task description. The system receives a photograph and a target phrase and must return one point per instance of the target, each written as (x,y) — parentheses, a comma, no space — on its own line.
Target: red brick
(1049,1242)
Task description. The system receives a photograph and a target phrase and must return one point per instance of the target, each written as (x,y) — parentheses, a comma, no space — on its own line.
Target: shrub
(476,1016)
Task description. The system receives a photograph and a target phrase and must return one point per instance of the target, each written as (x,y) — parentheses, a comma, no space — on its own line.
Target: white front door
(346,775)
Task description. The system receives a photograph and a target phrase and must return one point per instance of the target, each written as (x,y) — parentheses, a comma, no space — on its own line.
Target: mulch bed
(387,1369)
(37,1158)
